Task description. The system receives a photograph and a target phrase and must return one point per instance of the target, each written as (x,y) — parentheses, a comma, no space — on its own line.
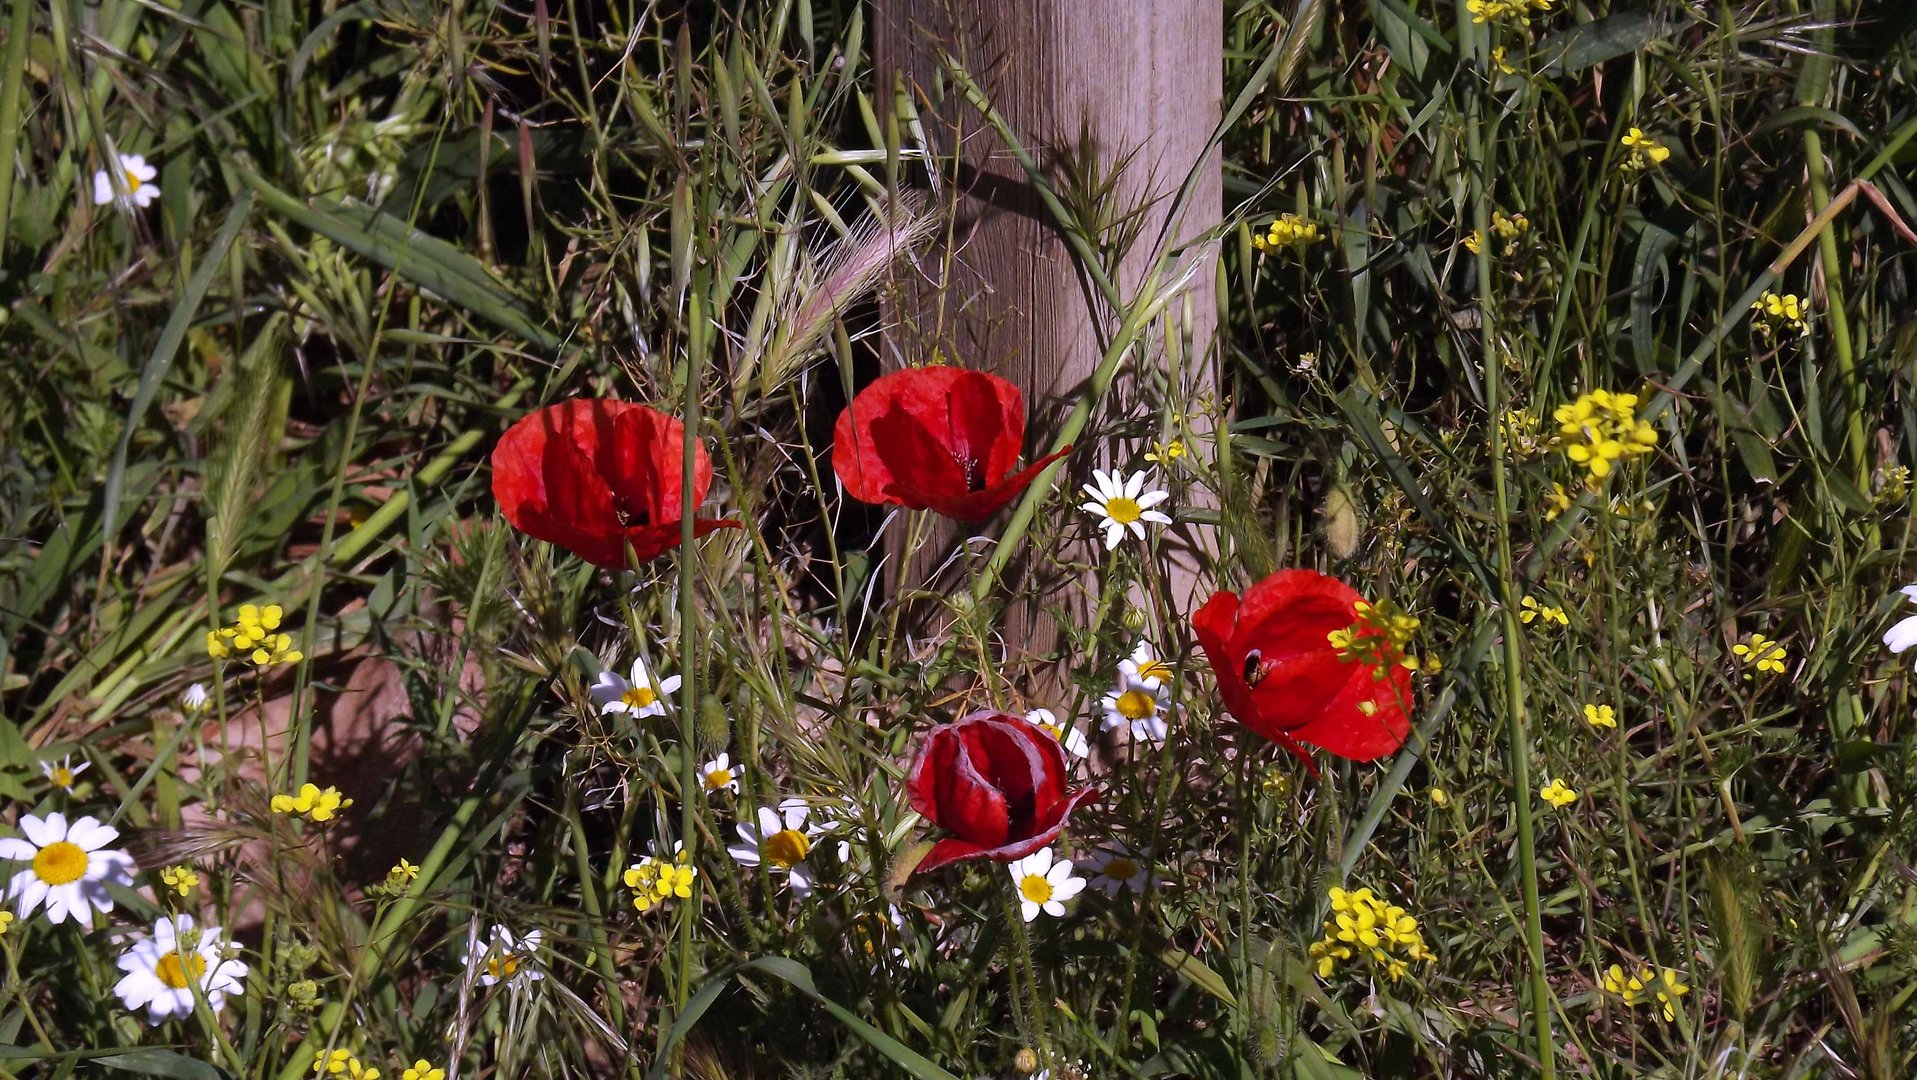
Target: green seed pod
(715,726)
(1342,526)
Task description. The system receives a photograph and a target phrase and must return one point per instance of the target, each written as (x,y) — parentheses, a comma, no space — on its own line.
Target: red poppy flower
(597,476)
(997,783)
(1303,659)
(936,438)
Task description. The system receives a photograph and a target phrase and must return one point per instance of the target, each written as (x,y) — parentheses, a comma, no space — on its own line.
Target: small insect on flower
(162,971)
(717,775)
(63,775)
(1545,614)
(780,838)
(312,803)
(68,867)
(1600,716)
(1044,885)
(1765,655)
(133,185)
(1068,736)
(504,958)
(1115,866)
(422,1069)
(1557,794)
(180,879)
(639,695)
(1123,503)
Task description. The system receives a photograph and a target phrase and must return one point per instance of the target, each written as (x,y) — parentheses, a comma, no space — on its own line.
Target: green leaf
(428,262)
(1595,42)
(161,358)
(799,977)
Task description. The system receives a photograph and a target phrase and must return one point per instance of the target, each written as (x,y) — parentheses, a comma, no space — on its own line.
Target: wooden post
(1095,89)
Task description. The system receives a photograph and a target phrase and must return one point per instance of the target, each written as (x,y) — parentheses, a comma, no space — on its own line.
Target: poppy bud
(997,783)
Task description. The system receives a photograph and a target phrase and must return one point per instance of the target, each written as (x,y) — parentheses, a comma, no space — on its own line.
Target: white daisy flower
(68,867)
(136,187)
(717,775)
(1123,503)
(1044,885)
(1904,634)
(161,971)
(505,958)
(1140,707)
(1145,666)
(1115,866)
(1072,739)
(639,695)
(64,774)
(780,837)
(195,700)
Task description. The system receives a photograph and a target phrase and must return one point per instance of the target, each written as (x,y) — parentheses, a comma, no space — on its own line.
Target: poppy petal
(977,505)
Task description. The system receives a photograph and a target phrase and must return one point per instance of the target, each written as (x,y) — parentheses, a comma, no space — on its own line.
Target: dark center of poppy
(631,515)
(1254,668)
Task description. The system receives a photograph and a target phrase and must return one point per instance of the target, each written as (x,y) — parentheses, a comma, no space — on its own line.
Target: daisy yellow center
(786,848)
(1121,869)
(1123,510)
(1136,705)
(61,776)
(639,697)
(1155,669)
(502,966)
(176,971)
(60,863)
(1054,731)
(1034,888)
(718,778)
(132,182)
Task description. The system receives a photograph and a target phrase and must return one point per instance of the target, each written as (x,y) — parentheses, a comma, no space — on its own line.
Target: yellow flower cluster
(1556,502)
(654,880)
(1508,229)
(1786,310)
(255,633)
(1558,793)
(1521,432)
(180,879)
(1287,231)
(1379,637)
(1645,151)
(342,1063)
(1600,716)
(1512,11)
(1364,926)
(1643,987)
(312,803)
(1548,613)
(1600,429)
(1767,655)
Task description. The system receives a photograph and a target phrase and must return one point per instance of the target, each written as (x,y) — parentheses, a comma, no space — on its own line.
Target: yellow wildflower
(1600,716)
(422,1069)
(180,879)
(1287,231)
(1557,794)
(1645,151)
(1545,613)
(255,635)
(312,802)
(1763,653)
(1601,429)
(1787,310)
(1363,926)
